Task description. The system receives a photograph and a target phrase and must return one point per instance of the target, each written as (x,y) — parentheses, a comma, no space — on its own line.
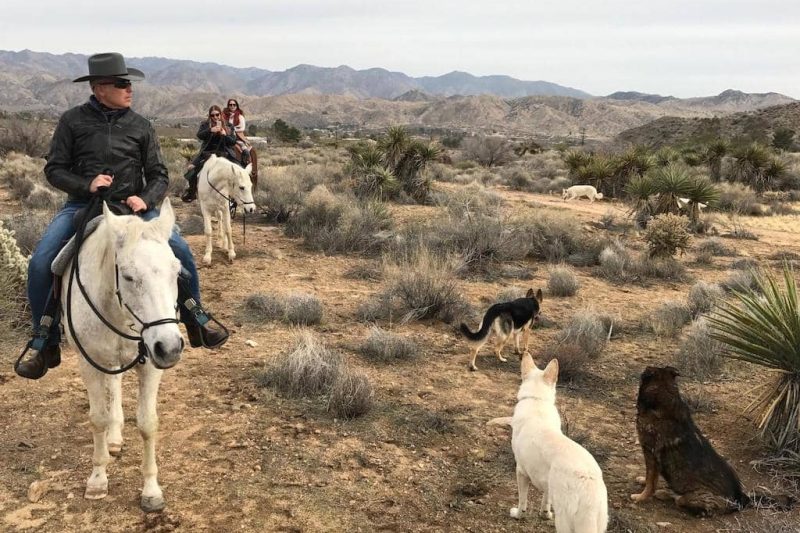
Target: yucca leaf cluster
(762,327)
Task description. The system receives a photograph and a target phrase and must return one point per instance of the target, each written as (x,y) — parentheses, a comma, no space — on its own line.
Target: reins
(74,274)
(232,205)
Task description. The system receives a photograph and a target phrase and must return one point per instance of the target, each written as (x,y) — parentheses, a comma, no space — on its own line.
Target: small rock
(663,524)
(251,343)
(38,489)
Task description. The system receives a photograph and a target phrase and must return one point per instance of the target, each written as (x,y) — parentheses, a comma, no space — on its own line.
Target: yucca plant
(752,166)
(574,160)
(639,191)
(712,156)
(764,329)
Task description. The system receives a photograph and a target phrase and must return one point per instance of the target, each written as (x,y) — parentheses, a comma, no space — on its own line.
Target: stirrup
(39,340)
(201,317)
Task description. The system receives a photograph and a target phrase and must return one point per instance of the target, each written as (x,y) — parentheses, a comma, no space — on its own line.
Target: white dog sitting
(576,191)
(567,475)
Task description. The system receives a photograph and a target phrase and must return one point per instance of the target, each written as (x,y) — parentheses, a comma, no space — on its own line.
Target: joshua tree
(712,156)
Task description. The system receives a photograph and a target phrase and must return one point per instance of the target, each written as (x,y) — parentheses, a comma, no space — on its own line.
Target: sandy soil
(237,457)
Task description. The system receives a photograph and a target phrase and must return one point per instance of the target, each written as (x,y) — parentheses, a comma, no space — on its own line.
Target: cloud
(684,48)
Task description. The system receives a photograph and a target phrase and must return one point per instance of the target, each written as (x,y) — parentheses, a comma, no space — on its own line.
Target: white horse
(130,275)
(219,182)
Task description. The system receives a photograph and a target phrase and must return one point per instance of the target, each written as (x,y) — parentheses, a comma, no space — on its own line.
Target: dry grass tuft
(385,346)
(303,309)
(700,357)
(563,281)
(668,319)
(309,370)
(703,296)
(351,395)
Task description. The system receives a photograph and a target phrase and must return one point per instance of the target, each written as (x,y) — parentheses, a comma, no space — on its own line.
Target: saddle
(59,264)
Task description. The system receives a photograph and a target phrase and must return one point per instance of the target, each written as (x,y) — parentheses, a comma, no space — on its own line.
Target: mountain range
(309,96)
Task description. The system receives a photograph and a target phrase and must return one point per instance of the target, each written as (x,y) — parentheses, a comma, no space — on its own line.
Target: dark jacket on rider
(90,140)
(213,143)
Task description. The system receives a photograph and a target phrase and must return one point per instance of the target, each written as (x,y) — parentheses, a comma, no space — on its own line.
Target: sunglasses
(212,115)
(118,84)
(232,105)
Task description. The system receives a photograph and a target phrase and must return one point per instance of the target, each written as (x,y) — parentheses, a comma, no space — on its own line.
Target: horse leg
(97,484)
(116,416)
(226,216)
(221,241)
(147,421)
(208,232)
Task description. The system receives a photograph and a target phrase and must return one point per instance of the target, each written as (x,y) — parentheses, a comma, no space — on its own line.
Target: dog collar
(530,398)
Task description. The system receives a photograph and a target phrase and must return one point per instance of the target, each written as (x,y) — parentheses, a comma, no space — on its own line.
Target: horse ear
(166,218)
(109,216)
(249,169)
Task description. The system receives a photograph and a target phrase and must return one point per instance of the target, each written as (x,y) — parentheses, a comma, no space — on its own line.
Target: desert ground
(237,456)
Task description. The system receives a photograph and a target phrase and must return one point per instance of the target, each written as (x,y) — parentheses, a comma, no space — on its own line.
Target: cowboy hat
(110,65)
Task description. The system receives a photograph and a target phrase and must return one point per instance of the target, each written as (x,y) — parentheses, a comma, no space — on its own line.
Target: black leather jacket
(214,143)
(86,143)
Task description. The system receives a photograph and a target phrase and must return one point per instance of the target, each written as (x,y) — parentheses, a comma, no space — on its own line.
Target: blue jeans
(60,230)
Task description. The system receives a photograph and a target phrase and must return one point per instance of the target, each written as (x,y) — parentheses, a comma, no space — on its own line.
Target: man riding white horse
(103,147)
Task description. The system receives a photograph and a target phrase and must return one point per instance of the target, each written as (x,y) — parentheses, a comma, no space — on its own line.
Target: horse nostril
(159,349)
(182,343)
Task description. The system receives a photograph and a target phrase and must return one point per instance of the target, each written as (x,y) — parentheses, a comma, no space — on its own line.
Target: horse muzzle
(249,208)
(166,351)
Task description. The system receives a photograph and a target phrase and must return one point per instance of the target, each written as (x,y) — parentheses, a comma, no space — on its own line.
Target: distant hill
(752,124)
(342,80)
(345,98)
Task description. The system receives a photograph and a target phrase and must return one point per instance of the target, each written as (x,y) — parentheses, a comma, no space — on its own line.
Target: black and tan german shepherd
(505,319)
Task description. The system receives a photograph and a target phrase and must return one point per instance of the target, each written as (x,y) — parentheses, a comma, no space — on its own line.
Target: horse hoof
(115,449)
(515,513)
(96,493)
(153,504)
(206,260)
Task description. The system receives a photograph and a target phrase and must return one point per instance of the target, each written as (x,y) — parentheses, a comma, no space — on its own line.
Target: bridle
(232,205)
(74,274)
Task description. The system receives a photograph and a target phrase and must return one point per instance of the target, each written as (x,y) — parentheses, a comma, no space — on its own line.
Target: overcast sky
(670,47)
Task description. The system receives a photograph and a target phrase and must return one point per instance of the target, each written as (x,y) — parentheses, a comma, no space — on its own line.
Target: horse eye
(127,277)
(241,188)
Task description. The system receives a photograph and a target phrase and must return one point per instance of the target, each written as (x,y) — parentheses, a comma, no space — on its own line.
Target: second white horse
(220,182)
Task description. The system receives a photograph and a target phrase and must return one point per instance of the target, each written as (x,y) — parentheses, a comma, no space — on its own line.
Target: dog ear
(551,372)
(526,364)
(672,371)
(539,296)
(529,294)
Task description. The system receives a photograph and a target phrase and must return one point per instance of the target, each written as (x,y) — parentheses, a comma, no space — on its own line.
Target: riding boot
(205,336)
(197,329)
(245,158)
(191,193)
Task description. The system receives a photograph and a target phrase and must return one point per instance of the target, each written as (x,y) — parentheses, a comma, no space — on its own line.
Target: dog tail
(502,421)
(765,500)
(486,324)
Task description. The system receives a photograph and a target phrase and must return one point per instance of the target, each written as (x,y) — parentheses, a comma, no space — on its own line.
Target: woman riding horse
(218,140)
(246,154)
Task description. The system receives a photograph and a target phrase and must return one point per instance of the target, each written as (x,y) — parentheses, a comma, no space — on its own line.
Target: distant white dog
(576,191)
(568,476)
(685,203)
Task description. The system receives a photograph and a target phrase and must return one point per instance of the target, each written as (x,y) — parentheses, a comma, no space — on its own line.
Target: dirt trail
(237,457)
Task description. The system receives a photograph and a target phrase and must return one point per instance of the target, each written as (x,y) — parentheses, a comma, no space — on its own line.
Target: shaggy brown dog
(702,481)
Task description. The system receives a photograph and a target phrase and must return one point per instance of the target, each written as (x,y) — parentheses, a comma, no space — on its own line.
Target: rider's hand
(136,204)
(101,180)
